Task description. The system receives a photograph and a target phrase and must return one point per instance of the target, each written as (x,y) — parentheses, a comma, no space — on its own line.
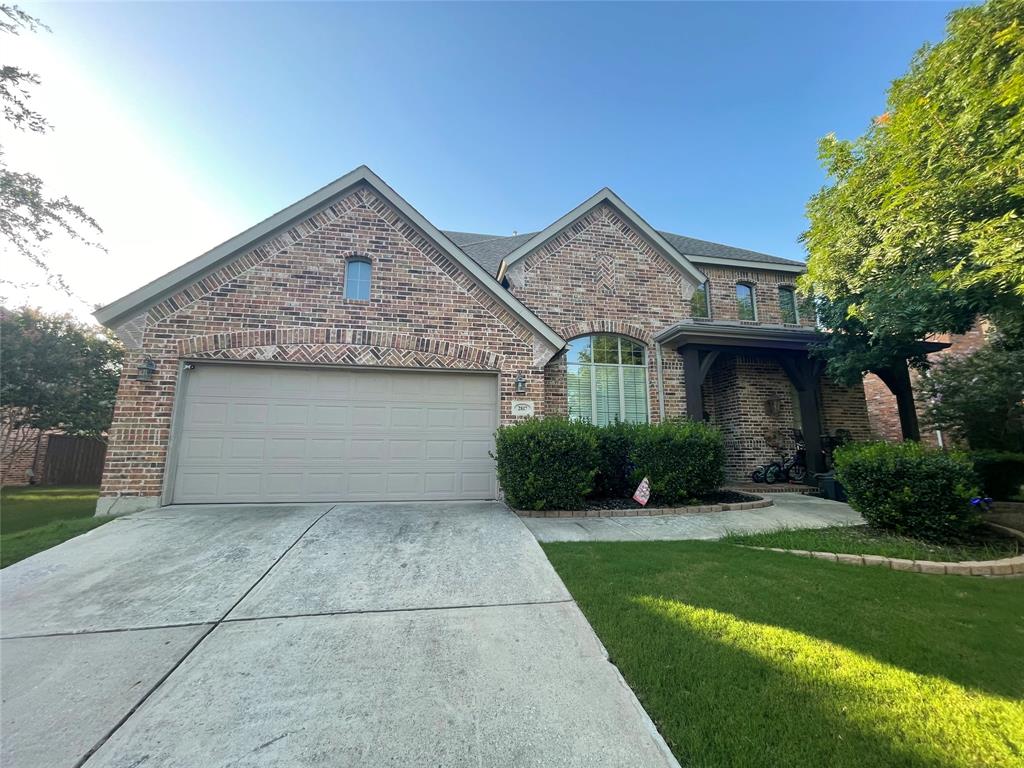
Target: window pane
(787,305)
(632,353)
(634,387)
(578,386)
(357,280)
(609,406)
(579,350)
(745,302)
(606,349)
(699,302)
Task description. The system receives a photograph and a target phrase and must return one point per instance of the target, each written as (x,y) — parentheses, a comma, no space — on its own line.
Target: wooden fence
(73,461)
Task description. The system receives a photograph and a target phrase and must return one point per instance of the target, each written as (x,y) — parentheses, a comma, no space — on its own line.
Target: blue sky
(702,116)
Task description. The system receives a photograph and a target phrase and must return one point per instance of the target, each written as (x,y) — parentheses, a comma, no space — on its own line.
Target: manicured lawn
(748,658)
(37,518)
(863,540)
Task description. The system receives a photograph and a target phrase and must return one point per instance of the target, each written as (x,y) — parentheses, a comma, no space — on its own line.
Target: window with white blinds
(607,380)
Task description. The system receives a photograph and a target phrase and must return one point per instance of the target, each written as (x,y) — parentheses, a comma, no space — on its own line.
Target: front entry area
(262,433)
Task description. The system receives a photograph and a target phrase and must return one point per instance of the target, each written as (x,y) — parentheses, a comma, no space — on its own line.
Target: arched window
(357,280)
(746,304)
(787,305)
(699,306)
(607,380)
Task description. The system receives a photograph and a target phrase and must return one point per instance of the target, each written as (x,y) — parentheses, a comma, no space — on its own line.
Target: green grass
(747,658)
(36,518)
(864,540)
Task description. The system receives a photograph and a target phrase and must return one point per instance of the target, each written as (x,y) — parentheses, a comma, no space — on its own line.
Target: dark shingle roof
(489,250)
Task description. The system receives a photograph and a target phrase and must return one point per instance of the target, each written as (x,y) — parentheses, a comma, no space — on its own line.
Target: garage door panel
(252,433)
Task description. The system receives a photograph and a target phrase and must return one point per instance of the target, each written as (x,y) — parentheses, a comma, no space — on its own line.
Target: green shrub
(909,489)
(546,463)
(614,477)
(1001,473)
(683,460)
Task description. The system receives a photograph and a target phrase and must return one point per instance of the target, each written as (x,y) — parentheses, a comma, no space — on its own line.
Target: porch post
(693,378)
(805,375)
(897,378)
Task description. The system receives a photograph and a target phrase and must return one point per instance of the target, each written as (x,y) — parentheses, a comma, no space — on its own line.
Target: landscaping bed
(749,658)
(715,501)
(982,544)
(35,518)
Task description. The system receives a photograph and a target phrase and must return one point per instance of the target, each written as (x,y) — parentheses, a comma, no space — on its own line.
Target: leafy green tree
(979,398)
(920,230)
(55,373)
(28,216)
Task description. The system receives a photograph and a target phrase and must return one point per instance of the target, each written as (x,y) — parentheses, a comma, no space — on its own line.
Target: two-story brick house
(347,349)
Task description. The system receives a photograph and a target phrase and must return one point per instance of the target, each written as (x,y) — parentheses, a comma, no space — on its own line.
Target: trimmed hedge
(1001,473)
(909,489)
(683,460)
(546,463)
(614,479)
(555,463)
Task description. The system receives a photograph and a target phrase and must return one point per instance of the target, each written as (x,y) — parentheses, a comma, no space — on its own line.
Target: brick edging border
(648,512)
(1009,566)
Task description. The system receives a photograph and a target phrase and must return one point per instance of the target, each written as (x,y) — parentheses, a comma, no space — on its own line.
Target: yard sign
(643,492)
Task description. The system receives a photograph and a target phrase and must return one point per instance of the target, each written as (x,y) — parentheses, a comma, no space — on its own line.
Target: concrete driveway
(308,635)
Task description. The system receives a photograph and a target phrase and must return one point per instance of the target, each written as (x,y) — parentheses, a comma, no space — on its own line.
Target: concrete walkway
(791,510)
(308,635)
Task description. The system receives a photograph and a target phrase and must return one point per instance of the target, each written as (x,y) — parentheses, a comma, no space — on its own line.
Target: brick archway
(617,327)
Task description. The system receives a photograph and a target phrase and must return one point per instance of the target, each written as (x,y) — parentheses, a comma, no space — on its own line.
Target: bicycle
(791,468)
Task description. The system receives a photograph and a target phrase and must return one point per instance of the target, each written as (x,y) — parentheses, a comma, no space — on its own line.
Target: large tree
(28,215)
(921,228)
(55,373)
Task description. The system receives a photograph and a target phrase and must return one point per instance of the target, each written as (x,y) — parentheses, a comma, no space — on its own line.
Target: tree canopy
(28,216)
(55,373)
(921,228)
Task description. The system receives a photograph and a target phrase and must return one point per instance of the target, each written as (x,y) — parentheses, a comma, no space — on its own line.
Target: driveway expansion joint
(163,678)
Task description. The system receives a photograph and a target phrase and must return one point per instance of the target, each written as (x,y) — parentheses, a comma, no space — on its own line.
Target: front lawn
(864,540)
(749,658)
(36,518)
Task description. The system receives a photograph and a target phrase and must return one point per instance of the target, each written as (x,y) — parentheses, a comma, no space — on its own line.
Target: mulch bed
(715,497)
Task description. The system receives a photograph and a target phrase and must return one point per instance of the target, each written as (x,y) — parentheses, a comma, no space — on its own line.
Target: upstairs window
(746,307)
(357,280)
(699,306)
(787,306)
(607,380)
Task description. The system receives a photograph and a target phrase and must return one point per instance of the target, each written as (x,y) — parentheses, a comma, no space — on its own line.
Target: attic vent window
(357,280)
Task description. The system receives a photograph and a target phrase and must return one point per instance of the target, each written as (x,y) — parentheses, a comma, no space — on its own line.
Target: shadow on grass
(968,631)
(728,691)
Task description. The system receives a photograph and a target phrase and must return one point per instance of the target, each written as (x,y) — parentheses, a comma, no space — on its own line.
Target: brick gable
(283,301)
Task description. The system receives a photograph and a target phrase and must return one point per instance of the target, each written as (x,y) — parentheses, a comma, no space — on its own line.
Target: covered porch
(736,375)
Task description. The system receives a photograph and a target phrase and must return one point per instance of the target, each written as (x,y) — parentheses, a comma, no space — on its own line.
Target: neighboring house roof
(138,300)
(489,250)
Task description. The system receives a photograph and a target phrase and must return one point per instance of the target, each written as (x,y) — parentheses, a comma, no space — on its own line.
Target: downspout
(661,382)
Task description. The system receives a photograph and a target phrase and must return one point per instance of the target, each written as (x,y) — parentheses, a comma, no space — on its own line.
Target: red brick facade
(881,403)
(283,301)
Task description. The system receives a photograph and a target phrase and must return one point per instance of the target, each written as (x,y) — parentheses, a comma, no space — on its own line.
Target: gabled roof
(489,250)
(605,195)
(187,273)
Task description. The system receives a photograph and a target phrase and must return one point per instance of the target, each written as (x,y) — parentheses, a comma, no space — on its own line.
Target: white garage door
(262,433)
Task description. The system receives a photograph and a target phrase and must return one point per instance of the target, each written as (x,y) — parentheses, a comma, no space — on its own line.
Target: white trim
(767,266)
(191,271)
(670,252)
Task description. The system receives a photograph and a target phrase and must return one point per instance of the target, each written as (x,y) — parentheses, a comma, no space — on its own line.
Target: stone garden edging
(648,512)
(1008,566)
